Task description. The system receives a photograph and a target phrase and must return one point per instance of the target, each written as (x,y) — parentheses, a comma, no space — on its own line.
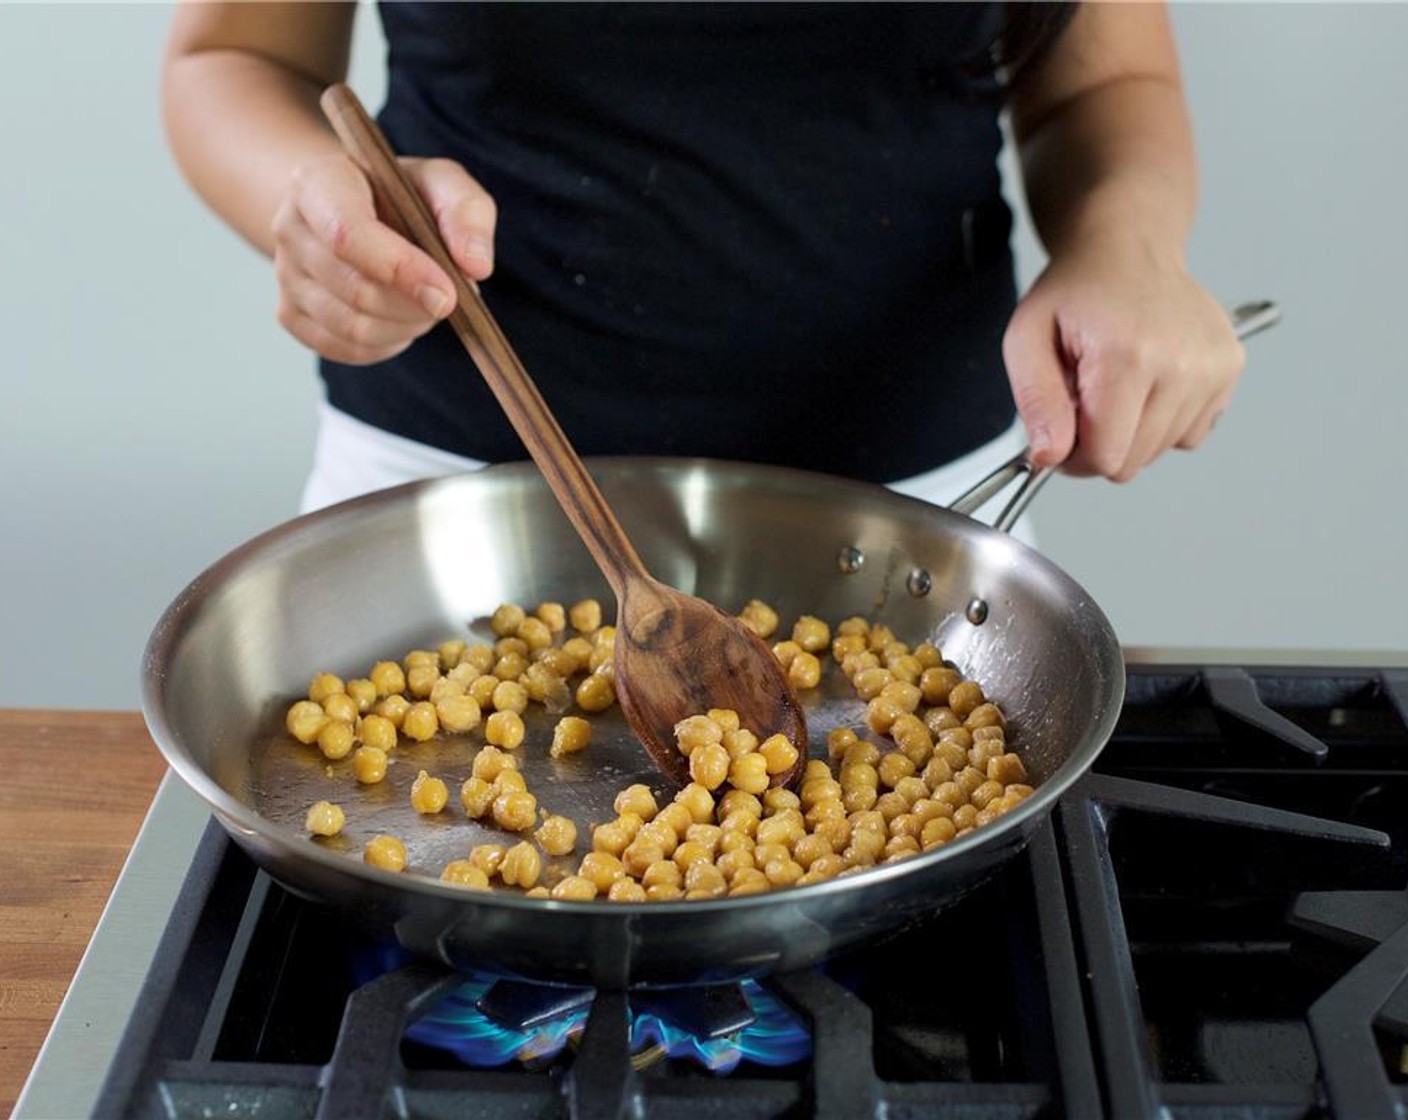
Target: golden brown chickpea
(870,682)
(783,872)
(601,661)
(964,698)
(664,892)
(420,657)
(447,687)
(610,838)
(731,863)
(965,817)
(879,636)
(913,739)
(866,847)
(707,834)
(739,742)
(704,880)
(488,858)
(388,677)
(818,783)
(481,690)
(737,800)
(575,888)
(602,868)
(510,666)
(826,867)
(1019,792)
(953,746)
(420,722)
(893,767)
(906,824)
(572,734)
(324,819)
(506,619)
(534,633)
(786,653)
(595,693)
(856,663)
(691,852)
(340,706)
(385,852)
(911,789)
(927,809)
(521,865)
(749,881)
(985,794)
(696,731)
(449,652)
(982,752)
(759,618)
(881,713)
(546,687)
(951,794)
(554,660)
(553,615)
(939,720)
(937,772)
(698,802)
(808,849)
(709,765)
(839,741)
(859,797)
(855,624)
(539,891)
(585,615)
(477,795)
(377,731)
(827,809)
(640,855)
(363,693)
(937,683)
(891,805)
(778,800)
(394,708)
(457,714)
(969,779)
(421,678)
(324,685)
(901,847)
(811,633)
(462,873)
(659,835)
(784,829)
(676,817)
(763,854)
(1007,769)
(637,799)
(726,718)
(662,872)
(428,795)
(990,735)
(627,890)
(733,840)
(804,671)
(369,765)
(779,754)
(985,715)
(510,696)
(335,739)
(846,644)
(504,729)
(480,657)
(509,780)
(749,773)
(905,696)
(938,831)
(739,821)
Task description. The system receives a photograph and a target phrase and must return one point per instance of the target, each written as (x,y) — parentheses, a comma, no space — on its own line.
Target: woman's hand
(1116,355)
(353,289)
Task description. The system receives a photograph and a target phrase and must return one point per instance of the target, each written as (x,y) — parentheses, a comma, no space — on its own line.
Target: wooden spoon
(675,655)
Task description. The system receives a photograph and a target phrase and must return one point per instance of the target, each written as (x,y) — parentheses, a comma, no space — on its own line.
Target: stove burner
(662,1025)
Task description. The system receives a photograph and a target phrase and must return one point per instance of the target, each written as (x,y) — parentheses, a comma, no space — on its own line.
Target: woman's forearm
(240,89)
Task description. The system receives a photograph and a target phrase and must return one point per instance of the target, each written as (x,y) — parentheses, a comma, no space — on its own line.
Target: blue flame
(777,1037)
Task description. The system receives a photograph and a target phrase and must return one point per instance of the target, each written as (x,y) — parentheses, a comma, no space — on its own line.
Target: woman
(772,233)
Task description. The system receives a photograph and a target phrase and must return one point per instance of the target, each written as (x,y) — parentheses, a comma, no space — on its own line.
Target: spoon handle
(401,204)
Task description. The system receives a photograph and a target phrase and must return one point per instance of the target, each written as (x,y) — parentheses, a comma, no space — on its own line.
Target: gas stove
(1212,924)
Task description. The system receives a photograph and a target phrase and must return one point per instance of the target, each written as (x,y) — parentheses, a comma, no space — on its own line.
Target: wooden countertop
(74,787)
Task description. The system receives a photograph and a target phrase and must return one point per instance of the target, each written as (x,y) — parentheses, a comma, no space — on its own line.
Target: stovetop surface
(1212,924)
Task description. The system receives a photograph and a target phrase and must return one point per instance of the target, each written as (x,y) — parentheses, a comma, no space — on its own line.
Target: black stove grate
(1213,925)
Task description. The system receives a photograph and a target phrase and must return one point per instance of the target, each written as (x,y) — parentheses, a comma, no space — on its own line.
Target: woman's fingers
(1031,349)
(464,212)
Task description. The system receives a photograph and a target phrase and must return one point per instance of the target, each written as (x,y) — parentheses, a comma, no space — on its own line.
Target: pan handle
(1247,319)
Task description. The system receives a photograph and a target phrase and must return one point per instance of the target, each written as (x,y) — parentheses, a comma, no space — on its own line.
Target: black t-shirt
(771,233)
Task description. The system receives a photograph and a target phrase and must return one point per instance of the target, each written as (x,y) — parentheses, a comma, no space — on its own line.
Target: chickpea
(1007,769)
(385,852)
(504,729)
(363,693)
(827,809)
(610,838)
(659,836)
(965,817)
(488,858)
(575,888)
(602,661)
(534,633)
(985,794)
(462,873)
(825,867)
(739,801)
(585,615)
(704,880)
(477,795)
(982,752)
(335,739)
(707,834)
(844,645)
(640,855)
(555,660)
(940,719)
(709,765)
(369,765)
(804,671)
(819,789)
(839,741)
(835,831)
(783,872)
(481,690)
(324,685)
(420,657)
(663,892)
(394,708)
(965,697)
(630,824)
(937,772)
(697,801)
(905,669)
(906,824)
(786,652)
(572,734)
(388,678)
(749,773)
(510,666)
(595,694)
(969,779)
(749,881)
(938,831)
(901,847)
(636,799)
(927,809)
(509,781)
(866,847)
(539,891)
(726,718)
(905,696)
(869,682)
(377,731)
(602,868)
(546,687)
(951,794)
(759,618)
(448,653)
(992,733)
(509,696)
(421,678)
(808,849)
(881,713)
(447,687)
(891,805)
(785,830)
(420,722)
(739,742)
(911,789)
(691,852)
(340,706)
(984,715)
(580,651)
(731,863)
(428,795)
(693,732)
(479,657)
(521,865)
(860,753)
(506,619)
(779,800)
(626,890)
(913,739)
(953,746)
(324,819)
(936,684)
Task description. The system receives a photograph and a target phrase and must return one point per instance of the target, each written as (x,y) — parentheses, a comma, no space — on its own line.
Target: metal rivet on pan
(850,559)
(977,612)
(919,583)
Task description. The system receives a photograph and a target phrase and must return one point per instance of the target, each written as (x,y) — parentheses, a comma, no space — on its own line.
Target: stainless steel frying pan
(412,566)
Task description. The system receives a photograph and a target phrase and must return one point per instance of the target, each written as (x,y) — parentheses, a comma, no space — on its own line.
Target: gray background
(154,416)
